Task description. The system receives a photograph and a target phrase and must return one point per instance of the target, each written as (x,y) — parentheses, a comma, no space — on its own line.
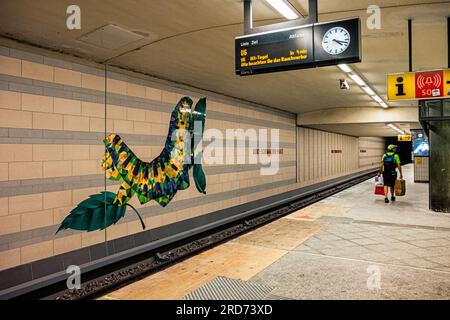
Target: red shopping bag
(379,189)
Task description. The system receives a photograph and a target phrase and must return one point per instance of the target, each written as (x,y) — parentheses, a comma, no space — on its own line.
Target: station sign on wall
(404,137)
(307,46)
(419,85)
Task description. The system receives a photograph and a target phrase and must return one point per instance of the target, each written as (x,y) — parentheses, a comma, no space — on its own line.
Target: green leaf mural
(96,213)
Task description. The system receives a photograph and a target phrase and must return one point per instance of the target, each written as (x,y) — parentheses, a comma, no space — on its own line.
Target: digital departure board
(300,47)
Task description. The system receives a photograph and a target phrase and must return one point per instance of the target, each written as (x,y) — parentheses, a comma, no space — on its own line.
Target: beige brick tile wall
(25,170)
(60,213)
(57,169)
(32,102)
(153,94)
(67,77)
(77,152)
(9,224)
(57,199)
(4,206)
(9,258)
(115,112)
(98,125)
(123,126)
(15,119)
(36,219)
(90,109)
(26,161)
(85,167)
(76,123)
(14,153)
(89,81)
(116,231)
(91,238)
(135,90)
(116,86)
(37,71)
(47,152)
(66,244)
(48,121)
(36,251)
(10,100)
(25,203)
(10,66)
(66,106)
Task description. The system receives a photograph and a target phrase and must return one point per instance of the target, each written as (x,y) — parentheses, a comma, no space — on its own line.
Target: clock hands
(340,41)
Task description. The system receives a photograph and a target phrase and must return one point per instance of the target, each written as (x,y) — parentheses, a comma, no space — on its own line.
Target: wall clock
(336,40)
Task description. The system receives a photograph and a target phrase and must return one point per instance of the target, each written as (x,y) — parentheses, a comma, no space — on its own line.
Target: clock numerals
(336,40)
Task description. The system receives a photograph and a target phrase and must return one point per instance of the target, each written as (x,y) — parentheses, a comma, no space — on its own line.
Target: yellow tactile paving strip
(241,258)
(283,234)
(233,260)
(317,210)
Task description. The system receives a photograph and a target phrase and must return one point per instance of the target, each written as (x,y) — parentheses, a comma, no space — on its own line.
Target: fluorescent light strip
(345,68)
(390,125)
(358,80)
(284,8)
(368,90)
(377,99)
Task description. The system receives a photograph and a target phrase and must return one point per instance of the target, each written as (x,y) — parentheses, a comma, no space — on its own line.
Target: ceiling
(192,42)
(367,129)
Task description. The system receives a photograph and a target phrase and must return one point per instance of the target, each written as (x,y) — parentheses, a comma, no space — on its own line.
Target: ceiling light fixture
(377,99)
(390,125)
(360,82)
(345,68)
(284,7)
(368,90)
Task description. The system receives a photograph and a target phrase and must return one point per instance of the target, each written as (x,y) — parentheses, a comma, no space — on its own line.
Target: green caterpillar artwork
(158,180)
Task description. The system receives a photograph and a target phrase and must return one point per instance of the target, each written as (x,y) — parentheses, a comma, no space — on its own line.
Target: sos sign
(419,85)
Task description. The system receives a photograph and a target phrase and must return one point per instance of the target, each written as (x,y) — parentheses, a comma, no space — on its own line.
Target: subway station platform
(348,246)
(219,150)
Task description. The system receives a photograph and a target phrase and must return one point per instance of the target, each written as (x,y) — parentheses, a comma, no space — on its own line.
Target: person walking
(389,163)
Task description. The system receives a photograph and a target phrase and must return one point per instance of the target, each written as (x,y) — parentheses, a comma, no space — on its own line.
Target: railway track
(112,276)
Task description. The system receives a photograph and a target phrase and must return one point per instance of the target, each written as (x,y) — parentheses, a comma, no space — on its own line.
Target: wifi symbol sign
(429,84)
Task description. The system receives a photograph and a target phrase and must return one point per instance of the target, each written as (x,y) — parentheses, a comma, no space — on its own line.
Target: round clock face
(336,40)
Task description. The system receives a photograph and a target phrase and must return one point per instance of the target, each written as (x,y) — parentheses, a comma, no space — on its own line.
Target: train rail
(112,276)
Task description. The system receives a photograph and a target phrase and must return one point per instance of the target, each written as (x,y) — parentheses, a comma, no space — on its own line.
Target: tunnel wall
(52,122)
(371,150)
(324,155)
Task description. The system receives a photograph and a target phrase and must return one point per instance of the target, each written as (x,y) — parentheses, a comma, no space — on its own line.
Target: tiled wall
(325,155)
(52,122)
(371,150)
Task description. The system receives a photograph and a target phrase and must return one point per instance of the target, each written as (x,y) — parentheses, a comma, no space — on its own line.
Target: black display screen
(274,51)
(299,47)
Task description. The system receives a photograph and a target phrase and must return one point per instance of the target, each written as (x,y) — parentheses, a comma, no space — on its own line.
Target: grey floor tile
(320,277)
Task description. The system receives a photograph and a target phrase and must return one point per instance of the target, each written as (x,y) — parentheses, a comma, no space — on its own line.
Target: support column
(440,166)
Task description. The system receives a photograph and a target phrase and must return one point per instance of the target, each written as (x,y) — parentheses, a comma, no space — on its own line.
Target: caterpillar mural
(157,180)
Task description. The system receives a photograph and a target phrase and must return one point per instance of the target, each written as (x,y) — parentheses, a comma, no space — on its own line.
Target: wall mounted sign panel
(404,137)
(421,147)
(300,47)
(275,51)
(419,85)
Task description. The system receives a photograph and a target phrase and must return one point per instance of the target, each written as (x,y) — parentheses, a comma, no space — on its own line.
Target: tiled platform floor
(349,246)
